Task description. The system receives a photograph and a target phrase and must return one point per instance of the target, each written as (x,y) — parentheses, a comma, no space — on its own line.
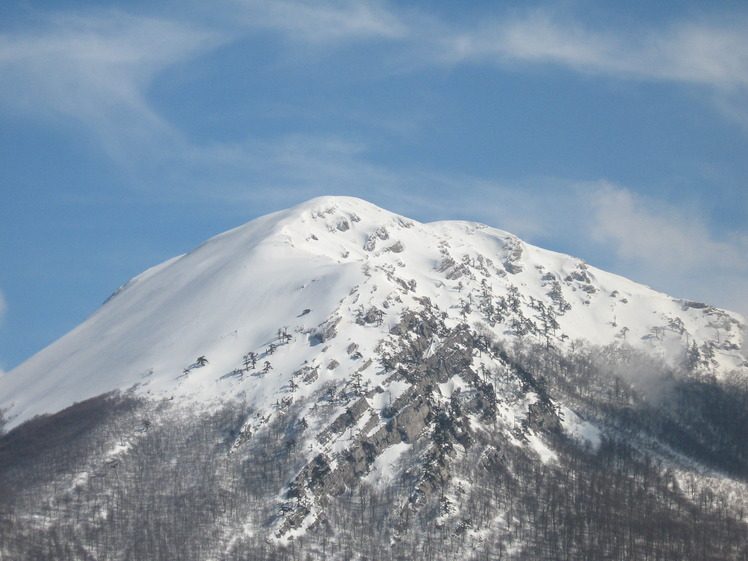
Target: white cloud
(96,70)
(712,54)
(716,55)
(709,54)
(639,231)
(670,245)
(537,37)
(325,22)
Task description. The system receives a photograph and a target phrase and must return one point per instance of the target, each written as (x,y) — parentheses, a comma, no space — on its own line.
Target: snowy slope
(284,285)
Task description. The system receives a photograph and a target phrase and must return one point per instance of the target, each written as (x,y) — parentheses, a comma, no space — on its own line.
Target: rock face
(423,414)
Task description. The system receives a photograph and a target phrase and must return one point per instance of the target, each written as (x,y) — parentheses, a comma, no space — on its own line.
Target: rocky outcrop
(325,332)
(424,353)
(542,417)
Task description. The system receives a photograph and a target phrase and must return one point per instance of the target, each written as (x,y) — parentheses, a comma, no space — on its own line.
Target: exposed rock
(373,315)
(512,262)
(325,332)
(542,417)
(410,421)
(380,233)
(397,247)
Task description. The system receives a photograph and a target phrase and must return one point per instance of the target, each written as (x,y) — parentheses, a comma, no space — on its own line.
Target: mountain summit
(357,367)
(340,258)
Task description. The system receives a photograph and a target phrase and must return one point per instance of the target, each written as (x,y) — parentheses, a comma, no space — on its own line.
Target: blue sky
(131,132)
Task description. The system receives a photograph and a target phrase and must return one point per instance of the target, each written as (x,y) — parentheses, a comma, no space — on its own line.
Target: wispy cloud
(705,53)
(638,230)
(96,70)
(535,38)
(709,54)
(288,169)
(668,243)
(322,22)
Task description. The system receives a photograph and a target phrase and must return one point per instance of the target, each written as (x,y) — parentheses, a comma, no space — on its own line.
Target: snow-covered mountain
(324,265)
(336,366)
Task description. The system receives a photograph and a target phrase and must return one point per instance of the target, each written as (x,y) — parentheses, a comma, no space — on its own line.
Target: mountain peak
(325,261)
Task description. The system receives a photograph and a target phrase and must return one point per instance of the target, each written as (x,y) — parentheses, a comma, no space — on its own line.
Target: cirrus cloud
(324,22)
(96,69)
(669,245)
(700,52)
